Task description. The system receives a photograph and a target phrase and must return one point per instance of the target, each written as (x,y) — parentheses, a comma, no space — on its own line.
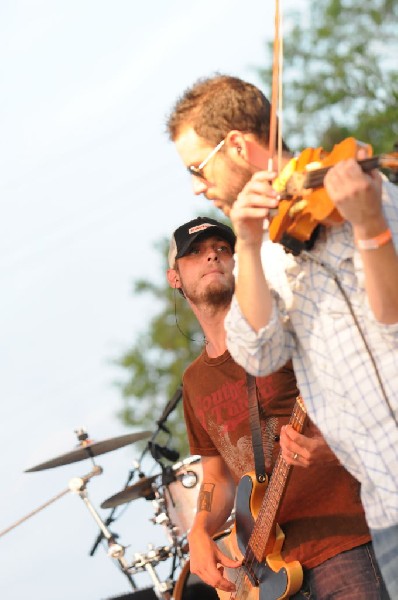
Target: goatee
(214,296)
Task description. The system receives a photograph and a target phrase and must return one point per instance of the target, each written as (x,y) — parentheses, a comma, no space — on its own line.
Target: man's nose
(199,185)
(212,255)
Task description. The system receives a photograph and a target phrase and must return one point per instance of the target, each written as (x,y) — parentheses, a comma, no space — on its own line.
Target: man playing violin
(332,309)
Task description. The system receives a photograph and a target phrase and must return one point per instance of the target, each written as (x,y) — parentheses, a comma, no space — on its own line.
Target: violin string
(315,178)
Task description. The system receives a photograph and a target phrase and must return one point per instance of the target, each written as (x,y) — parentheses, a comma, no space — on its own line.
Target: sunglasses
(198,171)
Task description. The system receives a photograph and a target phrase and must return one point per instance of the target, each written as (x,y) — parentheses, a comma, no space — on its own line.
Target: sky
(89,182)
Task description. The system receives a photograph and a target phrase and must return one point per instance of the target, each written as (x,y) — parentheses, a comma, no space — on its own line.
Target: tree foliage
(340,73)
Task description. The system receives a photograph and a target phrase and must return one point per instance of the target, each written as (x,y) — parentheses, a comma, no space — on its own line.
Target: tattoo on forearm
(205,498)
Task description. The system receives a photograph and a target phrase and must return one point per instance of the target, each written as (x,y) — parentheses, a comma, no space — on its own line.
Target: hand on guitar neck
(305,450)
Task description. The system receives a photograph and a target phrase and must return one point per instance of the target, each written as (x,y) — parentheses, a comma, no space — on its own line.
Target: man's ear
(173,278)
(249,149)
(236,144)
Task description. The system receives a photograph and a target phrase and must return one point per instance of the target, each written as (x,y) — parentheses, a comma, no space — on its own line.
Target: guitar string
(250,558)
(297,421)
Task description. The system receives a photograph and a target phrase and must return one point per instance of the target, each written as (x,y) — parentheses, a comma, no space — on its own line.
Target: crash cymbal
(89,448)
(141,489)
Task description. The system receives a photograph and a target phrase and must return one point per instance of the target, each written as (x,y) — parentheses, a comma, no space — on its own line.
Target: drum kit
(172,492)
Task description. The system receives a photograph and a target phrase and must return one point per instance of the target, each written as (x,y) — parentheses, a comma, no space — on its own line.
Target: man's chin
(219,296)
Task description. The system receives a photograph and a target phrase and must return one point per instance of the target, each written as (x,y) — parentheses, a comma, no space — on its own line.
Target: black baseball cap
(186,234)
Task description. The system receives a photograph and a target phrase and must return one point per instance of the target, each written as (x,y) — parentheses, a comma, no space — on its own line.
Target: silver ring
(295,456)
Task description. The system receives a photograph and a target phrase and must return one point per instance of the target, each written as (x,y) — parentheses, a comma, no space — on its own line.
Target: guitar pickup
(251,575)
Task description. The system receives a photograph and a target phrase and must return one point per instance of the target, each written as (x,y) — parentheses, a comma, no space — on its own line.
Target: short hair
(215,105)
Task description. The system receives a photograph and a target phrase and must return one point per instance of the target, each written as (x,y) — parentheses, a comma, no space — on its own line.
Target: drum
(181,496)
(143,594)
(191,587)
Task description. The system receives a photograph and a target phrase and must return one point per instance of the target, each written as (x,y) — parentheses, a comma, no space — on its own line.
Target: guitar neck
(267,515)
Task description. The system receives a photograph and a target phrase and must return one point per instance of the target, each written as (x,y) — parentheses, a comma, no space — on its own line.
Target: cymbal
(141,489)
(89,448)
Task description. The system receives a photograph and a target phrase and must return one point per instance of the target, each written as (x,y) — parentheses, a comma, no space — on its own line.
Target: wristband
(376,242)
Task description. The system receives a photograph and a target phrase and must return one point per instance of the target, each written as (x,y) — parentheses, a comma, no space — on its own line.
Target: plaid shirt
(311,324)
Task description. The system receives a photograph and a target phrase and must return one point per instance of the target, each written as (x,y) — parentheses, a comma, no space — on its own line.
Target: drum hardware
(147,494)
(158,488)
(173,493)
(162,518)
(87,448)
(154,556)
(188,479)
(75,483)
(116,551)
(147,562)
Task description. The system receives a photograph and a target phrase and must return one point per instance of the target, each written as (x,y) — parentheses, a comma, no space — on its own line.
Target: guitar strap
(255,426)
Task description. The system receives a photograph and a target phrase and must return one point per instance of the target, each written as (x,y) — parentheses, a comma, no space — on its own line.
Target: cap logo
(199,228)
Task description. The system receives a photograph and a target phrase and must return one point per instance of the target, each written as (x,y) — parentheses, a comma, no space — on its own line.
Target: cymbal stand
(111,518)
(147,562)
(85,478)
(77,485)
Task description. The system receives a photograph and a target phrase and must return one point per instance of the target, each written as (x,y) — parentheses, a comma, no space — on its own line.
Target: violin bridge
(296,184)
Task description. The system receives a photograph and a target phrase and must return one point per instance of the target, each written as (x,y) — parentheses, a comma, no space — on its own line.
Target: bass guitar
(257,539)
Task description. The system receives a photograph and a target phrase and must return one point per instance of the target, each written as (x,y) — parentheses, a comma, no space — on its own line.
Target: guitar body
(277,579)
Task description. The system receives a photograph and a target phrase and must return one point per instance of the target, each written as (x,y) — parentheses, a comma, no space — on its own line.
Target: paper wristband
(376,242)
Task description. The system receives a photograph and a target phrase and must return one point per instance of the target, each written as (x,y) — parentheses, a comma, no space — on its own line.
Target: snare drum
(181,496)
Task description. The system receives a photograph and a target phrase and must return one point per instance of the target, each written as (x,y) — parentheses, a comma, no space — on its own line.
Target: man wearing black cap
(321,514)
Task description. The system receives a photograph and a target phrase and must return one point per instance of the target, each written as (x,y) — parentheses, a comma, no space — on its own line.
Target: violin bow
(276,95)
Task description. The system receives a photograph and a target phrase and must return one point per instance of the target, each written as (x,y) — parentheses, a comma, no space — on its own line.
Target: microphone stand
(156,450)
(170,406)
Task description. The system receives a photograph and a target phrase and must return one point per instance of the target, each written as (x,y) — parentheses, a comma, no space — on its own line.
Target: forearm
(259,353)
(363,199)
(252,291)
(381,272)
(215,504)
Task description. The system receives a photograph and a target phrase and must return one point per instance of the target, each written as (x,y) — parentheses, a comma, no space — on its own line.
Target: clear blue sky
(89,182)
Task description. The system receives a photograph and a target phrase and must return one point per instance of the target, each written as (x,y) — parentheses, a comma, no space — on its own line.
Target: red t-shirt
(321,513)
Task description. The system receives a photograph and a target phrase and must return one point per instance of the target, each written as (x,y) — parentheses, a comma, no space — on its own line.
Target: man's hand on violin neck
(356,195)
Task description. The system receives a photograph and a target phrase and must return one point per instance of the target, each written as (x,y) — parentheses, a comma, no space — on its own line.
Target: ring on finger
(295,456)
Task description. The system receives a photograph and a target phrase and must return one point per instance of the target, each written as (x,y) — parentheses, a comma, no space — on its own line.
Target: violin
(304,202)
